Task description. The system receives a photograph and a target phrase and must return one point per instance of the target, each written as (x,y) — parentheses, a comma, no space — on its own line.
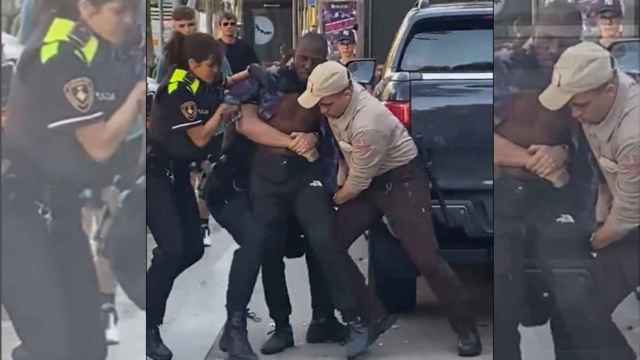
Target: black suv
(438,81)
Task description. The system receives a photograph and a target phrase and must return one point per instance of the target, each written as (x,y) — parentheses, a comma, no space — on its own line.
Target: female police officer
(69,114)
(185,116)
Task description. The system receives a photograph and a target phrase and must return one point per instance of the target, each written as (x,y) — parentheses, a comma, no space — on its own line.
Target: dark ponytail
(197,46)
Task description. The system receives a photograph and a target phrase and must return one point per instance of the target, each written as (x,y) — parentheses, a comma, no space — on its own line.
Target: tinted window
(450,45)
(626,54)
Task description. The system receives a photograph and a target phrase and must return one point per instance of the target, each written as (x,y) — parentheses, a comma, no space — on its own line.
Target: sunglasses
(225,24)
(190,24)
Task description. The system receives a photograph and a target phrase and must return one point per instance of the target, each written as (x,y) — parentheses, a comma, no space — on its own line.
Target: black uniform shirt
(181,103)
(62,85)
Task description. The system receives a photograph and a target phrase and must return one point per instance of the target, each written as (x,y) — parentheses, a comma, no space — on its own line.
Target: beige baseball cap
(326,79)
(581,68)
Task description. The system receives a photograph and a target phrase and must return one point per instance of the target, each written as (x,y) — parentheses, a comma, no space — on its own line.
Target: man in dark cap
(346,46)
(610,15)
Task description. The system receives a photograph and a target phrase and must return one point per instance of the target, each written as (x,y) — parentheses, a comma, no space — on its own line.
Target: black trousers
(275,284)
(531,232)
(174,221)
(49,284)
(232,210)
(284,186)
(402,194)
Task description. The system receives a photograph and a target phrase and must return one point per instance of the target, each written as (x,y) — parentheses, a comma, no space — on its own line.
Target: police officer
(606,102)
(541,174)
(384,178)
(185,116)
(68,117)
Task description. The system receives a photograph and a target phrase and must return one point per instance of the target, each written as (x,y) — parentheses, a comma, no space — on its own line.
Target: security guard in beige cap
(384,177)
(607,104)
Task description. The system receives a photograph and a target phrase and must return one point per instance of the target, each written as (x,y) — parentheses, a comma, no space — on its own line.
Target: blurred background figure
(184,22)
(346,46)
(610,15)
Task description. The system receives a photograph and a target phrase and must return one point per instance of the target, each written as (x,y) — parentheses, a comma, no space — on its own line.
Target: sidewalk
(414,336)
(131,327)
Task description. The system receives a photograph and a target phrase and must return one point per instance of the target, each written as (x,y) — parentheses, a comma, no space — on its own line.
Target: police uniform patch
(189,110)
(629,162)
(361,145)
(80,93)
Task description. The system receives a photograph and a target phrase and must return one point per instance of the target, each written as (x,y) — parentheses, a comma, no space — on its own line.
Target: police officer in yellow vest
(70,108)
(185,117)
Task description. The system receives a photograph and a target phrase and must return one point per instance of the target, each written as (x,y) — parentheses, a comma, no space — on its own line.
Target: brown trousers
(618,270)
(402,195)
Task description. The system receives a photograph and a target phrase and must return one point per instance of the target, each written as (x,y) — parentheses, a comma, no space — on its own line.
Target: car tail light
(401,110)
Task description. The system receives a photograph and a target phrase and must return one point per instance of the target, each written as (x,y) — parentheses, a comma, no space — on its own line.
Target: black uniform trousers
(174,221)
(402,195)
(285,186)
(232,210)
(49,284)
(533,231)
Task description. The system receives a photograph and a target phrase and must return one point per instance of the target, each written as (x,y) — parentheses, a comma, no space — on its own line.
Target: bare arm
(258,131)
(201,135)
(242,75)
(506,153)
(101,140)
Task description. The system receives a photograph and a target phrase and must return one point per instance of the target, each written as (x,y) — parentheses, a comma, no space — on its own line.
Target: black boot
(359,340)
(469,343)
(234,339)
(326,329)
(380,325)
(281,339)
(464,324)
(156,349)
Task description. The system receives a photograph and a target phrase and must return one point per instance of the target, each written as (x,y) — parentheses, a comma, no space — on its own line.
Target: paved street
(131,327)
(196,314)
(195,317)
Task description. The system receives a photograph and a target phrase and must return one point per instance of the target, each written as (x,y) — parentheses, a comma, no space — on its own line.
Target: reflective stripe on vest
(60,31)
(179,76)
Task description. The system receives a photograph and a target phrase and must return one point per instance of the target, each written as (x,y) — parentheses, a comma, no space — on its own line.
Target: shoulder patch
(361,144)
(189,110)
(630,161)
(80,93)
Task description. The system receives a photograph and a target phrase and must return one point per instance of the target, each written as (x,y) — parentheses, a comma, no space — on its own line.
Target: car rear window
(450,45)
(626,54)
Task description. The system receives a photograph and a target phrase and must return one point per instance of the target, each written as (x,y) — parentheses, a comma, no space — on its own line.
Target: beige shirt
(371,139)
(616,145)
